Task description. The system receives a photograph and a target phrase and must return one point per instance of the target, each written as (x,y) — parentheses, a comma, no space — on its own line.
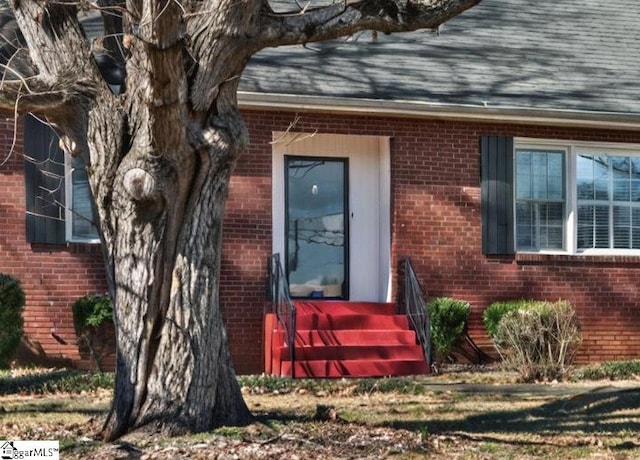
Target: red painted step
(351,337)
(339,307)
(352,321)
(354,352)
(345,339)
(355,368)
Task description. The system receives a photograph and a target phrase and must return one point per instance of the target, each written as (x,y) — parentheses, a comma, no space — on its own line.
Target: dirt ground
(440,418)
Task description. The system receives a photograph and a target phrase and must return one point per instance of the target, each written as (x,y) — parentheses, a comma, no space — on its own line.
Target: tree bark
(161,221)
(159,156)
(161,202)
(173,364)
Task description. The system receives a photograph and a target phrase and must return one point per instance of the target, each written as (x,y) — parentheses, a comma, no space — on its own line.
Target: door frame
(354,147)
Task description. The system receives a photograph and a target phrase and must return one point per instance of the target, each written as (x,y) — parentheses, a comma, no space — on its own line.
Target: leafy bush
(448,318)
(11,305)
(611,370)
(494,313)
(93,323)
(539,339)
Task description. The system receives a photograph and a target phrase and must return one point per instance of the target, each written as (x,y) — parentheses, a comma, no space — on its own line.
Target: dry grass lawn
(462,416)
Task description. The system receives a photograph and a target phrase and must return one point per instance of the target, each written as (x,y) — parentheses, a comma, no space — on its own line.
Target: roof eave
(417,109)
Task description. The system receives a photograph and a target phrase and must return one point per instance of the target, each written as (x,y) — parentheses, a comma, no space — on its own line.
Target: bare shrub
(539,340)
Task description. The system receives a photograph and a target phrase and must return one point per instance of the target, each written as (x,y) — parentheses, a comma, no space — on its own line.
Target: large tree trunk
(159,172)
(162,227)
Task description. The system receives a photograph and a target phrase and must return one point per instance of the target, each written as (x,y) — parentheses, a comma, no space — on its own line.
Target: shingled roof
(574,59)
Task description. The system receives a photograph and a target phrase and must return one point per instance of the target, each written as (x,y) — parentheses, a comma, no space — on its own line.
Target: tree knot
(140,185)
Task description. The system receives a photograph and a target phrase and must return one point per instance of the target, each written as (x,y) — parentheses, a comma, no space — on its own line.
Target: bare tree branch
(58,76)
(55,40)
(13,52)
(350,16)
(220,45)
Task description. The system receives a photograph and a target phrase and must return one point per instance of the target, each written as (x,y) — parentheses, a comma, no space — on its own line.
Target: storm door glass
(317,227)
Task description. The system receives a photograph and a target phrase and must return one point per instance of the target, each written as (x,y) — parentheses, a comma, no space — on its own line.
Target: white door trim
(358,149)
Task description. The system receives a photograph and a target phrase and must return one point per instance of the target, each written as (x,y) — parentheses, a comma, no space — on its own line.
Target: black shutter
(44,182)
(496,169)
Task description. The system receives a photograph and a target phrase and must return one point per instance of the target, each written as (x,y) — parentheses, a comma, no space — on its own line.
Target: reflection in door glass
(316,227)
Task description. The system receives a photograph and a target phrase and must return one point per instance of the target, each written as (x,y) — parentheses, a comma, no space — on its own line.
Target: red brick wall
(435,221)
(246,248)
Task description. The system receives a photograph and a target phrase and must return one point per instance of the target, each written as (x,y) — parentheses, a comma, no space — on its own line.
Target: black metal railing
(415,304)
(282,306)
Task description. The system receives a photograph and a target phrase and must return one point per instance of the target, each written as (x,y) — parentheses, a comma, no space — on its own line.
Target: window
(58,201)
(80,212)
(540,199)
(608,201)
(576,198)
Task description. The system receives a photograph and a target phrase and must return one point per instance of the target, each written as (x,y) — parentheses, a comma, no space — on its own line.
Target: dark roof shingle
(574,55)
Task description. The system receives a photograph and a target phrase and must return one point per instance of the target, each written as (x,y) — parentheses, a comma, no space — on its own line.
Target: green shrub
(611,370)
(448,318)
(494,313)
(539,339)
(93,323)
(11,305)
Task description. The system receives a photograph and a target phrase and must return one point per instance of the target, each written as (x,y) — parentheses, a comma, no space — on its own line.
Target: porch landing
(344,339)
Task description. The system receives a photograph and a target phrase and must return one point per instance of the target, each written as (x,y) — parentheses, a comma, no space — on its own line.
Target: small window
(80,215)
(540,199)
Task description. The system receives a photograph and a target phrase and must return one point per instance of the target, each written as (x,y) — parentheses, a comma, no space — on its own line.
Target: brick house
(500,153)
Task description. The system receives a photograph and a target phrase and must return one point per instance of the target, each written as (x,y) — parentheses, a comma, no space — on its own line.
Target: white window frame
(69,214)
(540,147)
(572,148)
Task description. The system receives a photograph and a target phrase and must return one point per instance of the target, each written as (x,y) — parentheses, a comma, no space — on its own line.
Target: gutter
(462,112)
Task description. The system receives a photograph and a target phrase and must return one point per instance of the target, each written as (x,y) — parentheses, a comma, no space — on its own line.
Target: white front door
(366,158)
